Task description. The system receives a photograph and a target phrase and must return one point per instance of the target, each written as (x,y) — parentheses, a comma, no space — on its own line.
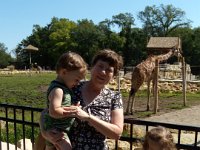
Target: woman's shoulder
(115,97)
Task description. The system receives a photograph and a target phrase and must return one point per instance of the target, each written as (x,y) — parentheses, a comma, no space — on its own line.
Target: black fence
(21,122)
(179,129)
(18,122)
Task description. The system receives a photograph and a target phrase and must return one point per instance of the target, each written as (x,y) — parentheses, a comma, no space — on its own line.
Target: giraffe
(145,71)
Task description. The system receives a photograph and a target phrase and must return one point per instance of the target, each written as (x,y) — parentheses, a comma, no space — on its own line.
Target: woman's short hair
(111,57)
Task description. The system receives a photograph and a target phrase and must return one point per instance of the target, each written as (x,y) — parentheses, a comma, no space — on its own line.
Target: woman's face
(102,73)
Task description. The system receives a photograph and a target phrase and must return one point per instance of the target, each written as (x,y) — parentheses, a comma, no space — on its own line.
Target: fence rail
(18,122)
(18,119)
(178,127)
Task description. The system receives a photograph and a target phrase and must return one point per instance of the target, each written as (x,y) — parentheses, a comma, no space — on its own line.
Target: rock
(122,145)
(2,124)
(27,142)
(11,146)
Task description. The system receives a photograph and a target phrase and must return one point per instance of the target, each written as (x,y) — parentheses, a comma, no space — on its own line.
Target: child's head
(159,138)
(71,68)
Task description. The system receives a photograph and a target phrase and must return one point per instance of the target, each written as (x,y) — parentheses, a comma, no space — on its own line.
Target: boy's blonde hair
(71,61)
(161,136)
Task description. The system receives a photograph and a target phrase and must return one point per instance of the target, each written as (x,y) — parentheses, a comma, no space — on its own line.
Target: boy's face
(72,78)
(154,145)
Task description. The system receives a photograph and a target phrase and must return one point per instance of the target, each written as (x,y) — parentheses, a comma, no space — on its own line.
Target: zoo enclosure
(13,121)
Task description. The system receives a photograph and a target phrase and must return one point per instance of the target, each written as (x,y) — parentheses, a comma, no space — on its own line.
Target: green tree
(139,46)
(110,39)
(195,61)
(186,36)
(5,58)
(190,46)
(160,21)
(86,37)
(125,21)
(52,40)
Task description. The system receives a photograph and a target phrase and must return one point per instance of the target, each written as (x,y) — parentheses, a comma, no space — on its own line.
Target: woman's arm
(111,129)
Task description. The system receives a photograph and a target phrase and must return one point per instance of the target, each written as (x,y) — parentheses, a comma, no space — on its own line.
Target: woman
(101,114)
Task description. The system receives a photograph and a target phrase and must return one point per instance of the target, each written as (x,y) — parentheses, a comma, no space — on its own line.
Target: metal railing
(18,122)
(21,122)
(177,128)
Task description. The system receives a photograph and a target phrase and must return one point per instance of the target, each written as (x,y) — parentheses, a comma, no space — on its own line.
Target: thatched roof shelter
(30,48)
(163,44)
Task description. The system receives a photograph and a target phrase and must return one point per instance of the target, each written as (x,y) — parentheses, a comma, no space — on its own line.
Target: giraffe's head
(176,52)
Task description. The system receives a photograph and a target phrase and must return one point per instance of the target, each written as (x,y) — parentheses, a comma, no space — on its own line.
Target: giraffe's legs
(132,103)
(129,98)
(127,108)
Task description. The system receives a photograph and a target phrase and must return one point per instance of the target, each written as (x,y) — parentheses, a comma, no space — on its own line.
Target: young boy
(159,138)
(70,69)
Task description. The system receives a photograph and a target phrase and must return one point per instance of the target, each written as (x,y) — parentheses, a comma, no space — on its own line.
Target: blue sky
(17,17)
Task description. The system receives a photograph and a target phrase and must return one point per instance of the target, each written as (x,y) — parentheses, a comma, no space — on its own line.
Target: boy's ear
(64,71)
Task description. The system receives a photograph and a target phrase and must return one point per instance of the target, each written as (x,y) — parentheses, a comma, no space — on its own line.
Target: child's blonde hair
(161,136)
(71,61)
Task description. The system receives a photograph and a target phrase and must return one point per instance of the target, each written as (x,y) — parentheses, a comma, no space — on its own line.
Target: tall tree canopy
(86,38)
(125,21)
(5,58)
(160,21)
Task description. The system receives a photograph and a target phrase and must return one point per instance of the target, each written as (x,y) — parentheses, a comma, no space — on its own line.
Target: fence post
(184,80)
(155,87)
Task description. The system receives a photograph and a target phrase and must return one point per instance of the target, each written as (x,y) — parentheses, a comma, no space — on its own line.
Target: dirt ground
(165,105)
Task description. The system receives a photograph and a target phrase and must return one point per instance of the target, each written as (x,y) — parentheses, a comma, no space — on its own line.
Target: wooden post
(118,81)
(155,90)
(184,80)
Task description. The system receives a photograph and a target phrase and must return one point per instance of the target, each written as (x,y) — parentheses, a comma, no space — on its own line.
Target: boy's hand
(70,111)
(77,104)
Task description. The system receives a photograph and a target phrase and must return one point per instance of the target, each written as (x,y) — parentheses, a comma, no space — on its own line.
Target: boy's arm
(55,101)
(55,108)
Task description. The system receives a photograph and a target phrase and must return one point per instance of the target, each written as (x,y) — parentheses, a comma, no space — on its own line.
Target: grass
(166,94)
(30,90)
(167,101)
(19,133)
(143,114)
(25,90)
(176,106)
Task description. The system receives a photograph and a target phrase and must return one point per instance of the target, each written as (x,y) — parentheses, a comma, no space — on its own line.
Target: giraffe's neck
(164,56)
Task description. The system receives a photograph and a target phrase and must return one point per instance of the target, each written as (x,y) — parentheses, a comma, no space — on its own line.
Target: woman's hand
(82,115)
(76,111)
